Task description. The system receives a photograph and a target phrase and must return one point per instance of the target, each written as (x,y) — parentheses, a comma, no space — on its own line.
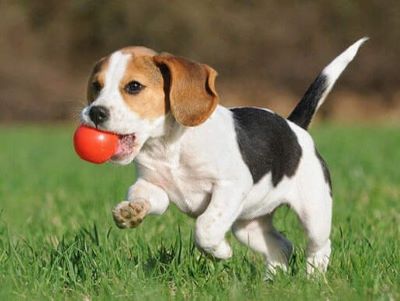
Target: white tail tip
(336,67)
(352,50)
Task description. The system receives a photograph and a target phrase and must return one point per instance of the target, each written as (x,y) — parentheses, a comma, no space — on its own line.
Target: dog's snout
(99,114)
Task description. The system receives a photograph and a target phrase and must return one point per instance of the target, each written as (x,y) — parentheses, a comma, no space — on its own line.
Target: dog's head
(132,91)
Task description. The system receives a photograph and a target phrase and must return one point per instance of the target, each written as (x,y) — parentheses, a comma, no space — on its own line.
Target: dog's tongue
(126,145)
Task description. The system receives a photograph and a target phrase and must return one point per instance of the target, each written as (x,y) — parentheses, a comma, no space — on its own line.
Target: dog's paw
(130,214)
(223,251)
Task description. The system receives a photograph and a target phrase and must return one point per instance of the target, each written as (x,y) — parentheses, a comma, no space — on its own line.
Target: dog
(229,168)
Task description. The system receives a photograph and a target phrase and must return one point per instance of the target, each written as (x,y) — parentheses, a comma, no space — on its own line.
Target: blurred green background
(266,52)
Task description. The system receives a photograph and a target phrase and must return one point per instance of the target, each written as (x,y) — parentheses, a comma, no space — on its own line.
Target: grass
(58,240)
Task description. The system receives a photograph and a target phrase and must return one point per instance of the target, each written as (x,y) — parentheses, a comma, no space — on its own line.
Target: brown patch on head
(168,82)
(97,79)
(192,93)
(137,51)
(150,102)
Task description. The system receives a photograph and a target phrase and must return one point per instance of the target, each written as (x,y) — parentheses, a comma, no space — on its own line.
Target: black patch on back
(325,170)
(305,109)
(267,143)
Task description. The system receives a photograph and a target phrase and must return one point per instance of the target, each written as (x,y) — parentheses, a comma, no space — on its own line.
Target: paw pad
(130,214)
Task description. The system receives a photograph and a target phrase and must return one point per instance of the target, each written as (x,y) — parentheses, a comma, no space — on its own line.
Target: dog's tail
(322,85)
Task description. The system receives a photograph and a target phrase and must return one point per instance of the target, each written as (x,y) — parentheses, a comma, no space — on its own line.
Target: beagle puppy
(229,168)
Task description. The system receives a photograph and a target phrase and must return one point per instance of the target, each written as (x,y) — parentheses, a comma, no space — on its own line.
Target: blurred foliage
(47,47)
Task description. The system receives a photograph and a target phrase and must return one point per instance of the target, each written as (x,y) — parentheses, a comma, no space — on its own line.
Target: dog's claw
(130,214)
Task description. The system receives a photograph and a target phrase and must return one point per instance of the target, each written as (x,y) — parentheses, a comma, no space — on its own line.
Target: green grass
(58,240)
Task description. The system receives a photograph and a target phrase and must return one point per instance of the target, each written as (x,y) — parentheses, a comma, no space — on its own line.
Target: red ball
(93,145)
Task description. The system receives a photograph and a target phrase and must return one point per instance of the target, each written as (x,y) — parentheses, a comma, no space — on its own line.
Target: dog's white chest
(185,185)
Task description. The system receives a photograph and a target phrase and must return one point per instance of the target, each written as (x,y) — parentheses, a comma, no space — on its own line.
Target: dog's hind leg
(261,236)
(315,213)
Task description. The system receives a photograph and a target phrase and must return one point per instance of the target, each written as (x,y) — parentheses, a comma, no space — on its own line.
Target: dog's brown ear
(191,88)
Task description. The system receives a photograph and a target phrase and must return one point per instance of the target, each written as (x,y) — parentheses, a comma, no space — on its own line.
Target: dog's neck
(165,141)
(171,139)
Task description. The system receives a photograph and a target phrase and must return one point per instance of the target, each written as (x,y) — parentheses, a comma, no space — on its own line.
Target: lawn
(58,239)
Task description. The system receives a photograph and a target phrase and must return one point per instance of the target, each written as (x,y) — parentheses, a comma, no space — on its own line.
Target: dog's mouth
(126,147)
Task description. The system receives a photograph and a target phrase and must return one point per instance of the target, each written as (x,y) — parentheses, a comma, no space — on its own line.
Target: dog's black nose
(99,114)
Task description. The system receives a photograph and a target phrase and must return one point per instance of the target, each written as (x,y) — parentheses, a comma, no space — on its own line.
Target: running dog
(229,168)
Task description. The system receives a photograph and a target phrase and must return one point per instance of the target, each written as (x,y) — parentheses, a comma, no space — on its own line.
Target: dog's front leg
(143,198)
(217,219)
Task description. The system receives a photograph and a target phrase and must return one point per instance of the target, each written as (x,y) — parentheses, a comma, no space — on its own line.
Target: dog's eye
(133,87)
(96,86)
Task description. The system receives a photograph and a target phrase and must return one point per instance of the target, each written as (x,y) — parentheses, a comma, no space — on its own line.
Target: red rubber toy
(93,145)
